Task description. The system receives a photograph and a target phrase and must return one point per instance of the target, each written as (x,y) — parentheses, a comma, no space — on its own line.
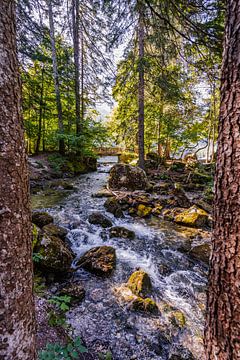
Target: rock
(193,217)
(41,218)
(113,207)
(76,291)
(98,218)
(140,283)
(35,235)
(203,205)
(127,177)
(55,230)
(144,305)
(121,232)
(103,193)
(201,252)
(52,254)
(170,214)
(178,319)
(100,260)
(143,210)
(180,196)
(161,188)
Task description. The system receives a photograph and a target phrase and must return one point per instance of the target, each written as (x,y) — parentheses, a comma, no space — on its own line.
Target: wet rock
(41,218)
(97,218)
(144,210)
(55,230)
(75,291)
(127,177)
(113,207)
(52,254)
(100,260)
(121,232)
(180,196)
(144,305)
(201,252)
(193,217)
(140,283)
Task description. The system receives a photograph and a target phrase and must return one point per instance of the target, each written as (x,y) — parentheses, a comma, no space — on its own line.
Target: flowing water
(104,320)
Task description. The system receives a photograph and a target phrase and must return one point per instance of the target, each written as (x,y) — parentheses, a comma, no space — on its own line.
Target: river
(103,320)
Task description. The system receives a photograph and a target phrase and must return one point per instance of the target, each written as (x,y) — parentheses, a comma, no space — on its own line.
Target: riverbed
(104,320)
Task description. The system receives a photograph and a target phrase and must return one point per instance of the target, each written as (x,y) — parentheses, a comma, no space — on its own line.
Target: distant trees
(16,298)
(223,309)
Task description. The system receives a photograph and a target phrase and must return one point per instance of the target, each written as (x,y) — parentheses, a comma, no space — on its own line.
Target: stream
(104,320)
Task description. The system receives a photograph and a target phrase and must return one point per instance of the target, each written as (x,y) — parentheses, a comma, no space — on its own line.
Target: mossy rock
(41,218)
(140,283)
(52,254)
(157,210)
(127,177)
(100,260)
(121,232)
(193,217)
(178,319)
(178,166)
(55,230)
(128,157)
(143,210)
(144,305)
(112,206)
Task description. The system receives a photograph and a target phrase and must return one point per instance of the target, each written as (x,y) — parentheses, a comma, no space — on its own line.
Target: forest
(120,190)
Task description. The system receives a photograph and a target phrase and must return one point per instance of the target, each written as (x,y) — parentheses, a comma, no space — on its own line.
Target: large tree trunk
(76,46)
(56,78)
(222,337)
(16,299)
(141,86)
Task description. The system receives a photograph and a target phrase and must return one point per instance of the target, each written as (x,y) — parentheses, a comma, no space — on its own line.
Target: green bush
(60,352)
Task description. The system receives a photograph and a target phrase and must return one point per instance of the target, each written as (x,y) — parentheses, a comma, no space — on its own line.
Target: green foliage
(62,304)
(39,287)
(105,356)
(37,257)
(56,161)
(61,352)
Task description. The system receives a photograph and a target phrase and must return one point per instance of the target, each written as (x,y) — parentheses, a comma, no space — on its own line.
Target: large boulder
(97,218)
(144,305)
(121,232)
(140,283)
(201,251)
(41,219)
(127,177)
(193,217)
(51,254)
(100,260)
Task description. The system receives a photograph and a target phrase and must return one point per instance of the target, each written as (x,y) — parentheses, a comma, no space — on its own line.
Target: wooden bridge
(109,151)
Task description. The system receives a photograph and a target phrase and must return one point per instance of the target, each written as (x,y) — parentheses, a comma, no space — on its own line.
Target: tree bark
(56,78)
(76,47)
(17,340)
(222,336)
(141,153)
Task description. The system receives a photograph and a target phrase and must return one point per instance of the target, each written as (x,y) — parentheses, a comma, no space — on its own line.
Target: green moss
(178,319)
(143,210)
(145,305)
(35,232)
(139,283)
(192,217)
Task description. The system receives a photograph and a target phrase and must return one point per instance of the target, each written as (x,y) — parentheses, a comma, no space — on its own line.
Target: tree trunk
(82,75)
(56,78)
(17,340)
(76,38)
(39,137)
(222,336)
(141,87)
